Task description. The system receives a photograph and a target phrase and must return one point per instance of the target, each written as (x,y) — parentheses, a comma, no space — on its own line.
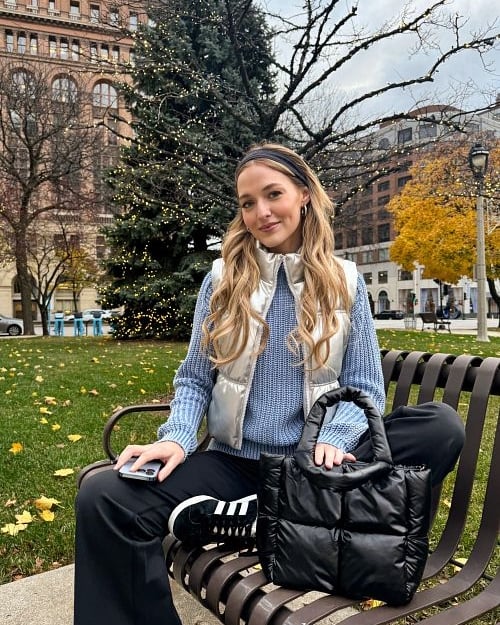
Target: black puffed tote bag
(360,529)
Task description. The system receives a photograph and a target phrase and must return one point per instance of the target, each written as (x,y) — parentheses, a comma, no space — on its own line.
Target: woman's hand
(170,453)
(330,456)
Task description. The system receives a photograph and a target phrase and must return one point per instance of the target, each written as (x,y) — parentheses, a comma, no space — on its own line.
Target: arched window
(64,89)
(23,83)
(104,95)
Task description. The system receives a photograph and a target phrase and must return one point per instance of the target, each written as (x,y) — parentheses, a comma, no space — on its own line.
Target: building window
(21,43)
(33,44)
(52,47)
(383,200)
(95,13)
(74,10)
(104,96)
(339,240)
(133,22)
(104,52)
(75,50)
(352,238)
(115,54)
(64,49)
(382,277)
(405,275)
(404,135)
(384,186)
(384,233)
(383,254)
(9,41)
(367,277)
(367,256)
(402,181)
(93,52)
(426,131)
(100,247)
(366,236)
(113,17)
(64,89)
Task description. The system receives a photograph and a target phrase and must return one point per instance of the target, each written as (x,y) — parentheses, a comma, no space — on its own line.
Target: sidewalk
(47,599)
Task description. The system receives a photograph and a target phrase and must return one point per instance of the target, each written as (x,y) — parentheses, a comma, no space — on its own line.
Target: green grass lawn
(55,396)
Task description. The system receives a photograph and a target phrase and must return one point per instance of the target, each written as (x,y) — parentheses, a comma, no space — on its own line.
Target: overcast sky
(392,59)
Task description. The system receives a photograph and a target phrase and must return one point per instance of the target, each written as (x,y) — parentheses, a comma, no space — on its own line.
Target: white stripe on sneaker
(220,507)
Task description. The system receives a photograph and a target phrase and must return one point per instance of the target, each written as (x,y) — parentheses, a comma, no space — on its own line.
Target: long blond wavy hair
(226,329)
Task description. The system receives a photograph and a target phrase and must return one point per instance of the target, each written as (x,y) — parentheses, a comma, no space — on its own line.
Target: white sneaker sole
(218,510)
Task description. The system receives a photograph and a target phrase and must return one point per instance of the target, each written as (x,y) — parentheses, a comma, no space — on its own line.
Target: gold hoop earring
(303,211)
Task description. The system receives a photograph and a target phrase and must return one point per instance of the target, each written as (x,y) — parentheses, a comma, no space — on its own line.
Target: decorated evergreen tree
(174,188)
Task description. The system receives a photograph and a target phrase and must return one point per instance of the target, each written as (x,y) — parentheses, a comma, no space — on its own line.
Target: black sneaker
(203,520)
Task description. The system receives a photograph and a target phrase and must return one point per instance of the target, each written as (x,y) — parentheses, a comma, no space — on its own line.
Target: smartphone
(148,472)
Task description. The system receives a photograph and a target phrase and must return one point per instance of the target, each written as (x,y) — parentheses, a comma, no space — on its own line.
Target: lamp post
(478,162)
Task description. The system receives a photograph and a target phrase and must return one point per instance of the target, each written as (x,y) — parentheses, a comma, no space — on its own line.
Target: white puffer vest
(232,387)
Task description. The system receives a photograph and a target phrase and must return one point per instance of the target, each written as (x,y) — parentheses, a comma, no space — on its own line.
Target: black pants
(120,572)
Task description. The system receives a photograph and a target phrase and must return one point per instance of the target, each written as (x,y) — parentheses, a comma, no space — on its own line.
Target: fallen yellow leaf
(16,448)
(24,517)
(39,378)
(74,437)
(44,410)
(47,515)
(43,420)
(12,529)
(51,401)
(55,427)
(63,472)
(371,603)
(46,503)
(94,392)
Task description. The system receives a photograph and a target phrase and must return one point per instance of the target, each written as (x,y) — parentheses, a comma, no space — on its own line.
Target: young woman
(279,321)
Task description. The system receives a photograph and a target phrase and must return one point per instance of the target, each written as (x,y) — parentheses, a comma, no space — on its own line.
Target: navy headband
(278,158)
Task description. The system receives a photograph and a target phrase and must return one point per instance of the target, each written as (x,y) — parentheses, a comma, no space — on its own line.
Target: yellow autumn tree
(435,215)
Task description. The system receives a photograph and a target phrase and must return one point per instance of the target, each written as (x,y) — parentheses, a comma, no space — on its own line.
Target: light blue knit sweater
(274,416)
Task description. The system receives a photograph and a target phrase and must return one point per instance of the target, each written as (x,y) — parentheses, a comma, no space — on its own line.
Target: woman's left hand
(330,456)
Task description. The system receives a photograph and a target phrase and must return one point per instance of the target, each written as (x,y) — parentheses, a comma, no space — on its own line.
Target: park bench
(431,319)
(456,588)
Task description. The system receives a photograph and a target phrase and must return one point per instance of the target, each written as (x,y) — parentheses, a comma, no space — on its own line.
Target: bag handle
(338,477)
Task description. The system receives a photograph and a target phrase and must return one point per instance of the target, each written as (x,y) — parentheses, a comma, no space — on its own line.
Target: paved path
(47,599)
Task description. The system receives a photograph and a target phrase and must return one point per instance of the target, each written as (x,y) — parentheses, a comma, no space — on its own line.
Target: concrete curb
(47,599)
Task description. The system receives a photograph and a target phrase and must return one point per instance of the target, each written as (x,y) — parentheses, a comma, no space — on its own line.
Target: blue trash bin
(78,324)
(97,324)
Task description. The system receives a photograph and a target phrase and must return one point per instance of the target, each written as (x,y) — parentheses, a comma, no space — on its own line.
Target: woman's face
(270,206)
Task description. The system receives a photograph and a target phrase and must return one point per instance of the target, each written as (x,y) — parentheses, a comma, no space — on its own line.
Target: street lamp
(478,162)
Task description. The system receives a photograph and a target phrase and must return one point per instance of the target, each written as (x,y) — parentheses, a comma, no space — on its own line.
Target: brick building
(364,228)
(82,47)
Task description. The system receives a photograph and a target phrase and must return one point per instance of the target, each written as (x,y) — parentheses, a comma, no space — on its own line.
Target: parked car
(389,314)
(11,326)
(88,314)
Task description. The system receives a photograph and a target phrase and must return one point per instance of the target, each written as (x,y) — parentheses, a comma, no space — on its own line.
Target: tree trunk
(24,278)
